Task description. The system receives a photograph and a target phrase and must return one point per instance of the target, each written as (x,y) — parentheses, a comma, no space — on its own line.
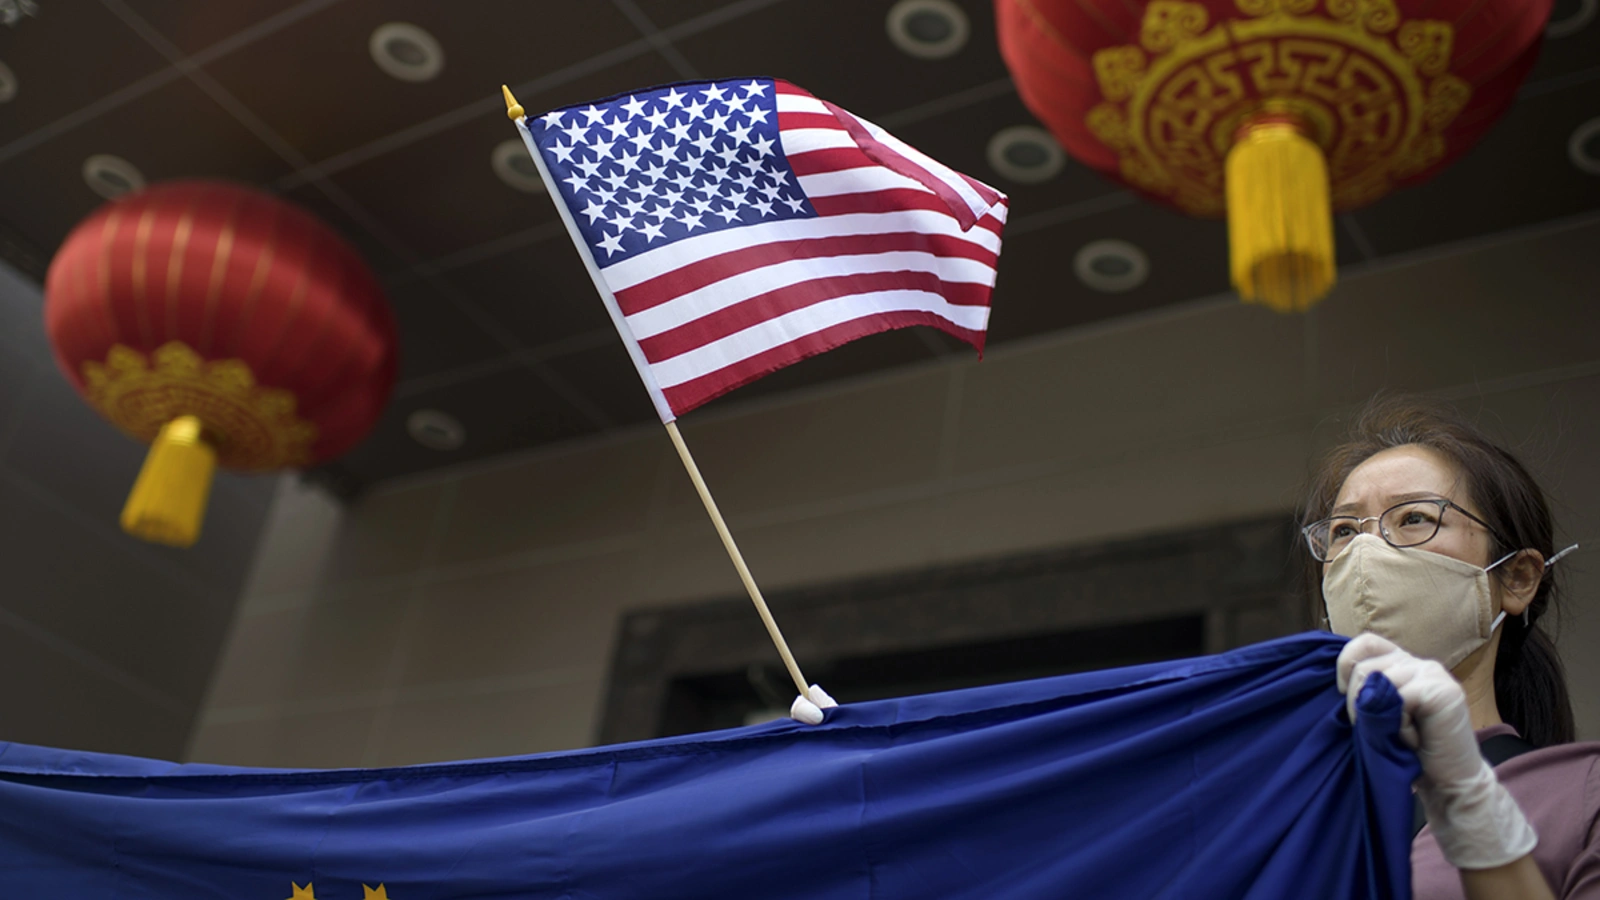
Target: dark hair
(1530,687)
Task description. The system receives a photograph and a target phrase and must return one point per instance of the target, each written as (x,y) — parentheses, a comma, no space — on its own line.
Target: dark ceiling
(499,324)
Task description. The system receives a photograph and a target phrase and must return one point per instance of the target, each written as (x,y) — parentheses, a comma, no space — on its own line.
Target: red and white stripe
(967,199)
(912,244)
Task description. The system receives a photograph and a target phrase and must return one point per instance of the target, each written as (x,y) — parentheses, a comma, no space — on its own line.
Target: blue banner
(1231,776)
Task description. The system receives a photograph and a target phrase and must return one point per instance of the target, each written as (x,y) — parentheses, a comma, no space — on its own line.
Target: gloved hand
(808,709)
(1475,820)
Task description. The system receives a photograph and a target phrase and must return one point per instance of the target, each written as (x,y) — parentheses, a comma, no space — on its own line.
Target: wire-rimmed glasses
(1407,524)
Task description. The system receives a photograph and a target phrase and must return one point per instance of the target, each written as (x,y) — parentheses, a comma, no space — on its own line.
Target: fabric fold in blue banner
(1231,776)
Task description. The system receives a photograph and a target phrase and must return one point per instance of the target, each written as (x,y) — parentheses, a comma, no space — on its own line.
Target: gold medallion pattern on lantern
(253,427)
(1375,93)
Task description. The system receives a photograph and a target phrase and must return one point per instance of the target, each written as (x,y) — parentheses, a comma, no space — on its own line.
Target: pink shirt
(1558,789)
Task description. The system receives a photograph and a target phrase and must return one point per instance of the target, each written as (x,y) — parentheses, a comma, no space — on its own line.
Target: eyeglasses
(1406,524)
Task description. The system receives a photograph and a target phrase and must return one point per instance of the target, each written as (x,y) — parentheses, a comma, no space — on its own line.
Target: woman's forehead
(1396,475)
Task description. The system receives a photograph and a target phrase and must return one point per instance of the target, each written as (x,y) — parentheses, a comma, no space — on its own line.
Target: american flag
(736,227)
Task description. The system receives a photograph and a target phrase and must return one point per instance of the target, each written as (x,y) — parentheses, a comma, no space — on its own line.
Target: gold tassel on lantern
(168,501)
(1280,224)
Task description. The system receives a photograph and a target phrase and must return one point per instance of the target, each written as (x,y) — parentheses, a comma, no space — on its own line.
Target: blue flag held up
(1232,776)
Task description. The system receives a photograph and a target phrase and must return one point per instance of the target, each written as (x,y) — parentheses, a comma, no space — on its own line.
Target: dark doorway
(761,690)
(710,665)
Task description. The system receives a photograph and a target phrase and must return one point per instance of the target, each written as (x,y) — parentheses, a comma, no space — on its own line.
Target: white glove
(808,709)
(1475,820)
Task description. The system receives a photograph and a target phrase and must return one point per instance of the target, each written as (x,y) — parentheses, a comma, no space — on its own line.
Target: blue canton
(645,170)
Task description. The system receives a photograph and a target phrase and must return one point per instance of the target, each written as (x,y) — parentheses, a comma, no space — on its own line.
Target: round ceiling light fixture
(1026,154)
(1583,148)
(1111,266)
(928,29)
(406,52)
(8,83)
(1567,26)
(510,161)
(111,176)
(435,430)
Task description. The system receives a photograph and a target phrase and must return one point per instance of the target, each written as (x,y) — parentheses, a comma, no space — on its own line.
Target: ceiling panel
(193,27)
(503,411)
(439,194)
(1038,293)
(66,57)
(382,251)
(435,335)
(1518,175)
(606,377)
(961,139)
(667,13)
(541,294)
(826,46)
(315,84)
(175,131)
(1570,53)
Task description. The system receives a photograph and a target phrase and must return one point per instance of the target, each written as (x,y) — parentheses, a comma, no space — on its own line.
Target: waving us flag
(736,227)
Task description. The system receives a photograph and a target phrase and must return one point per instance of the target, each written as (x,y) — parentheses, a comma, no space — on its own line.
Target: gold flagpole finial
(513,108)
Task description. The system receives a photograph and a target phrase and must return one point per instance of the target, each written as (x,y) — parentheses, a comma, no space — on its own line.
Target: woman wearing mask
(1436,547)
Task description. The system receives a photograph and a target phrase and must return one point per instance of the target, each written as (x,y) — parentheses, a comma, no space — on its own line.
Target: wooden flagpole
(515,113)
(738,559)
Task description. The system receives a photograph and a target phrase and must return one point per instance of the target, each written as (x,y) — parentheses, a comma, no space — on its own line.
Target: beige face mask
(1433,606)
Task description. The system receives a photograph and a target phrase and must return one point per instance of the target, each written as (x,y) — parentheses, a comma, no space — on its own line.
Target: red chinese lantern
(222,326)
(1277,112)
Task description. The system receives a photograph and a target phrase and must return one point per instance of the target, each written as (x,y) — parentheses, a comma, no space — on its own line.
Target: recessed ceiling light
(1583,148)
(8,83)
(406,51)
(1026,154)
(1567,26)
(111,176)
(510,161)
(1111,266)
(435,430)
(928,29)
(12,11)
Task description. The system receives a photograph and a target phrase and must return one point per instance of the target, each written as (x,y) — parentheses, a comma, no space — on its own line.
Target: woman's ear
(1520,581)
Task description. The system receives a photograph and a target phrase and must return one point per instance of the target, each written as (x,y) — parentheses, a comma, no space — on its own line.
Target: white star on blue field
(640,171)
